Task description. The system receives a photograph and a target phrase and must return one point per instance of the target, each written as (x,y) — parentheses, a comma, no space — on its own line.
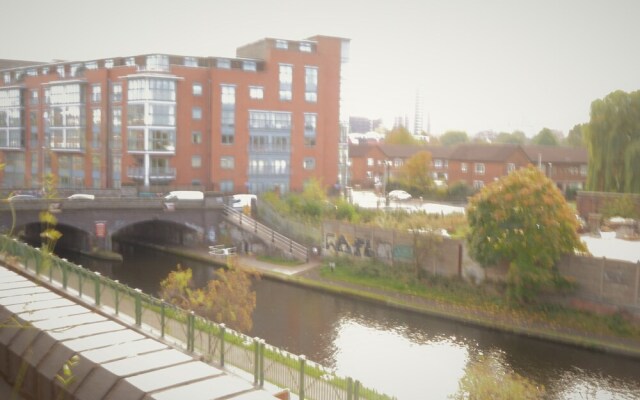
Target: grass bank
(485,306)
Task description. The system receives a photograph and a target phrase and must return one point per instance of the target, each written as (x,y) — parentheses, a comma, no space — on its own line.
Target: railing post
(116,289)
(79,273)
(138,301)
(222,330)
(65,276)
(356,390)
(97,288)
(162,317)
(303,362)
(262,342)
(256,361)
(191,331)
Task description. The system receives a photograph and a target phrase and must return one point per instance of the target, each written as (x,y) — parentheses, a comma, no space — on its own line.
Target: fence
(268,235)
(305,233)
(194,334)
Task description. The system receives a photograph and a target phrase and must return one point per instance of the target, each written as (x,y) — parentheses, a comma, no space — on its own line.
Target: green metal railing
(214,342)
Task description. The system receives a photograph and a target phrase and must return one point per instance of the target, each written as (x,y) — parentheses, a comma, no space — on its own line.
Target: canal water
(403,354)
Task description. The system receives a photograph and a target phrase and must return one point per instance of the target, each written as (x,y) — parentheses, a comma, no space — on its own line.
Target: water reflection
(400,353)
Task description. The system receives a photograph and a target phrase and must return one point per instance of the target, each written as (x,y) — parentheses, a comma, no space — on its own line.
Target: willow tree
(523,220)
(613,141)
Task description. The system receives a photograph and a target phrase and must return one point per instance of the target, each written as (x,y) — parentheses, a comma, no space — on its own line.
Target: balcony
(156,175)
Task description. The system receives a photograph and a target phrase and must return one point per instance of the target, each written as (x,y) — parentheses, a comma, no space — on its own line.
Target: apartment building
(266,119)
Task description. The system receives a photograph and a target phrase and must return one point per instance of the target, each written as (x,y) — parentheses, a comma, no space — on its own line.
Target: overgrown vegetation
(229,299)
(313,206)
(477,301)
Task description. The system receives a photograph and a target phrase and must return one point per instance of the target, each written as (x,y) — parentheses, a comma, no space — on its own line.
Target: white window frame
(479,168)
(197,89)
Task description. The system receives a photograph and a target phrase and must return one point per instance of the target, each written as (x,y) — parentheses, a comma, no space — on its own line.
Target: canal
(407,355)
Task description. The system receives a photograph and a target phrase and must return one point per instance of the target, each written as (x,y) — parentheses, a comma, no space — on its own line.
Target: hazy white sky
(495,65)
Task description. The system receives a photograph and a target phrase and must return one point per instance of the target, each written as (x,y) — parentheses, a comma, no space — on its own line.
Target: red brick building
(474,164)
(268,118)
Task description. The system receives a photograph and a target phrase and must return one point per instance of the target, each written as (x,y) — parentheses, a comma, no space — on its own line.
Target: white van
(240,201)
(185,195)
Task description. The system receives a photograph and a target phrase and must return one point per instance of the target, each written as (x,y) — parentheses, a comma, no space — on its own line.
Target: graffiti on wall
(358,247)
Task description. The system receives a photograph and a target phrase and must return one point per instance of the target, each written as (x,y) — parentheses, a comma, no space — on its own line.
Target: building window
(59,69)
(108,63)
(398,162)
(226,186)
(190,62)
(510,168)
(286,82)
(305,47)
(228,95)
(91,65)
(310,130)
(309,163)
(463,167)
(158,62)
(130,62)
(437,163)
(311,84)
(32,72)
(583,170)
(248,65)
(282,44)
(196,137)
(370,162)
(196,113)
(96,93)
(479,168)
(197,89)
(227,162)
(116,92)
(33,97)
(256,92)
(223,63)
(478,184)
(196,161)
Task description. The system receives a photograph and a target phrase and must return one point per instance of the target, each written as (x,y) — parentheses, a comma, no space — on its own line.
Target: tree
(613,141)
(575,138)
(545,137)
(517,137)
(415,173)
(228,299)
(522,219)
(450,138)
(400,135)
(487,379)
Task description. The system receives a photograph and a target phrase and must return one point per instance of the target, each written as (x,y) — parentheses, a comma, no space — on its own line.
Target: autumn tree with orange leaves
(524,220)
(229,299)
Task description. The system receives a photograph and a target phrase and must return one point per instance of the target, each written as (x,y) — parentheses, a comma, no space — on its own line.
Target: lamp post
(385,178)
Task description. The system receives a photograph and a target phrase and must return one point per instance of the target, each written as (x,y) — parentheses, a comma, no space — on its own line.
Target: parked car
(22,197)
(81,196)
(399,195)
(185,195)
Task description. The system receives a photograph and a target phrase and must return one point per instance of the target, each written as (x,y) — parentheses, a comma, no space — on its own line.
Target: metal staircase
(269,236)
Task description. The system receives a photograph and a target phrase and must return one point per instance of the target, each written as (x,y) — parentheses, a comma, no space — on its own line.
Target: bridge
(72,333)
(89,226)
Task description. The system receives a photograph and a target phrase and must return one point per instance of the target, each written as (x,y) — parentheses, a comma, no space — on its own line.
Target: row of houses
(474,164)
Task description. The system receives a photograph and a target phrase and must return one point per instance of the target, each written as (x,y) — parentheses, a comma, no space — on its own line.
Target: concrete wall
(442,257)
(612,284)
